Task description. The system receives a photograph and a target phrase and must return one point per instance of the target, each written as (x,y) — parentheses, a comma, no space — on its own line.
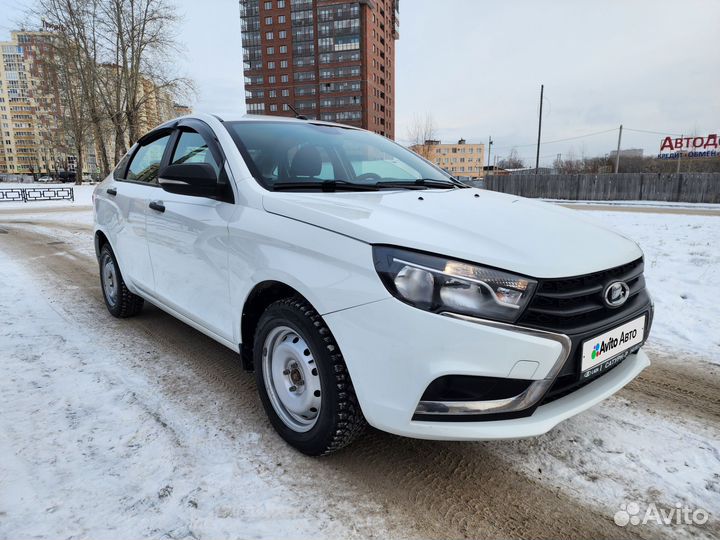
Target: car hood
(505,231)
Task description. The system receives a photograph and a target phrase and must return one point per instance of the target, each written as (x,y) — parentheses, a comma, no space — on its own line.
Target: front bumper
(394,351)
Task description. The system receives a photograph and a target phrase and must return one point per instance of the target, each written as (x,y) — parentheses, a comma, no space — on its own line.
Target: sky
(476,68)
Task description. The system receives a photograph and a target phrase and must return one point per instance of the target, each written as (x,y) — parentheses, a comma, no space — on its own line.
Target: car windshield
(300,156)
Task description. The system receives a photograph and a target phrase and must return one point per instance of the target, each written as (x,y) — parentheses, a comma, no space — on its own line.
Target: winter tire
(303,381)
(118,298)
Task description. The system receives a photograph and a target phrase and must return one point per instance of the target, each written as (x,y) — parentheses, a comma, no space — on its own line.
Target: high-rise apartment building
(34,138)
(28,112)
(331,60)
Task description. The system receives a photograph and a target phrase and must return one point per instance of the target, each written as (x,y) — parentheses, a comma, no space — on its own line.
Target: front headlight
(438,284)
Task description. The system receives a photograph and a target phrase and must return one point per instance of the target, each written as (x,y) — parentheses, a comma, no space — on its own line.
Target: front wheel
(303,381)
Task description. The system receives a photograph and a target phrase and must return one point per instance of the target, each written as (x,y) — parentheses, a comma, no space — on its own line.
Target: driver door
(187,239)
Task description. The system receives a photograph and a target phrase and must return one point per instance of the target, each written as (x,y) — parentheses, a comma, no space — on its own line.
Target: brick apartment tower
(332,60)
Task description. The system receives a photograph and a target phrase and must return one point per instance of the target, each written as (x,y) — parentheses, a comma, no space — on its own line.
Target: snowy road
(144,427)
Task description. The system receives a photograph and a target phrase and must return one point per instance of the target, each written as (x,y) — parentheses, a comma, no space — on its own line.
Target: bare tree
(513,161)
(77,24)
(121,54)
(76,123)
(422,133)
(144,45)
(66,124)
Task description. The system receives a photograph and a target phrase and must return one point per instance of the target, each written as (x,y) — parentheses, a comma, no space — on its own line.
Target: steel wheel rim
(291,378)
(109,280)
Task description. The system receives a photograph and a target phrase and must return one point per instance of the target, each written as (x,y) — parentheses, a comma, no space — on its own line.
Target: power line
(586,135)
(653,132)
(560,140)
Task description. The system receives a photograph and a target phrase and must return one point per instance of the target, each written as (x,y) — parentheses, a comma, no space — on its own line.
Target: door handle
(111,191)
(156,205)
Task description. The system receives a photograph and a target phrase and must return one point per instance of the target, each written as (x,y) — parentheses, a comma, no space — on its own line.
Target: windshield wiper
(323,185)
(422,183)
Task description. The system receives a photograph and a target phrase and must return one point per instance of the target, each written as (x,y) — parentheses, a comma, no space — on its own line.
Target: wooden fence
(683,187)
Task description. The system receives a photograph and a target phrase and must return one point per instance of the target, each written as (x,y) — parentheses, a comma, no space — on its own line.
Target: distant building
(157,106)
(462,159)
(329,59)
(181,110)
(628,153)
(29,118)
(33,140)
(494,170)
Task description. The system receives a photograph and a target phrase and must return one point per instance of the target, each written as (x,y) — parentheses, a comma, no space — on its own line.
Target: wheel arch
(261,296)
(100,240)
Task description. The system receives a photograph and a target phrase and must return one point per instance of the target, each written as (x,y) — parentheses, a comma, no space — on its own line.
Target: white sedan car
(363,284)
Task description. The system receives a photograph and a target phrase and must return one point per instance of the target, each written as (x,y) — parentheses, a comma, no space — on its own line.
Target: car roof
(235,117)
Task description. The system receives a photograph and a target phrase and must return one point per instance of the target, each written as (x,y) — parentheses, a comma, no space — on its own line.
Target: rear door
(136,185)
(187,237)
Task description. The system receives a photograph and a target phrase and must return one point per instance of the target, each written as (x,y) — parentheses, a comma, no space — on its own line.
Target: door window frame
(209,137)
(142,142)
(174,130)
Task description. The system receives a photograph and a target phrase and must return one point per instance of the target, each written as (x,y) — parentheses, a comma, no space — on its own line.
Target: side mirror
(194,179)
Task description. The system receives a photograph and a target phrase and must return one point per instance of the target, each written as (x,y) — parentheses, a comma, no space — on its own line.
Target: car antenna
(297,114)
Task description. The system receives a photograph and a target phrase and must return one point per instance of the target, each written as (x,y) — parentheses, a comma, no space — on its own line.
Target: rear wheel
(118,298)
(303,381)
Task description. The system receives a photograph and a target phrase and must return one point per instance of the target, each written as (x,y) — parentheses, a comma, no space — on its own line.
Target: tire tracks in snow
(688,389)
(423,488)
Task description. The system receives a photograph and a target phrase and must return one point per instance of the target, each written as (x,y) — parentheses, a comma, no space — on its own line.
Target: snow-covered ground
(91,449)
(95,443)
(640,204)
(623,451)
(682,270)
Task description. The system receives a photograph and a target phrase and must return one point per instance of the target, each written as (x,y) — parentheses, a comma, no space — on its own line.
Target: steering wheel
(368,176)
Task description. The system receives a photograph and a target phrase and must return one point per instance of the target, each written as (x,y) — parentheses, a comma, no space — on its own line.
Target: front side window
(146,161)
(286,153)
(192,148)
(119,172)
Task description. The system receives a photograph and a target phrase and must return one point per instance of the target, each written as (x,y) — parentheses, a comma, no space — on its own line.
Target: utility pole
(617,156)
(679,156)
(490,143)
(537,155)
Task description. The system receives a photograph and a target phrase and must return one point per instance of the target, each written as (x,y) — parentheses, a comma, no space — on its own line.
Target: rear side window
(145,164)
(192,148)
